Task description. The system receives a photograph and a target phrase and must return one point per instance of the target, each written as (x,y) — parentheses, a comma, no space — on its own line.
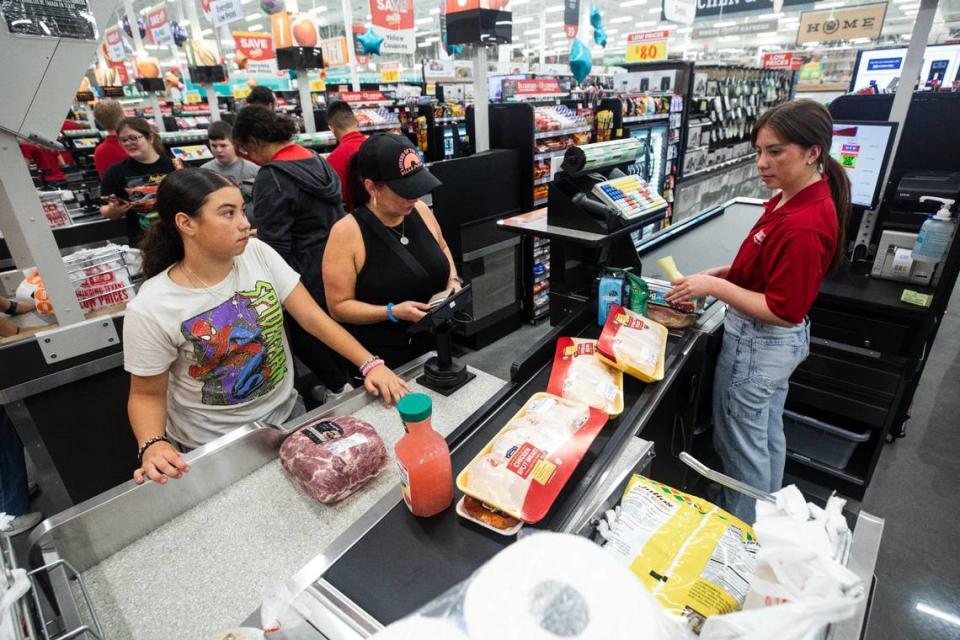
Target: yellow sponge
(669,268)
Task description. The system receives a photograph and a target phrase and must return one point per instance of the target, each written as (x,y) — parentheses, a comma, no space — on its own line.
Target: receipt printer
(894,260)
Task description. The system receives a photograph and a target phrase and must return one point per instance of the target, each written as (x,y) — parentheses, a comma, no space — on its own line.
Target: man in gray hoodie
(296,196)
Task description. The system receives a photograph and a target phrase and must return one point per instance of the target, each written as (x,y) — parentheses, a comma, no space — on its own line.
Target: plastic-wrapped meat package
(333,457)
(633,344)
(579,374)
(522,469)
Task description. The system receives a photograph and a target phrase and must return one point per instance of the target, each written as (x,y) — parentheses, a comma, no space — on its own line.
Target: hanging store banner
(648,46)
(571,17)
(114,44)
(713,9)
(226,11)
(835,25)
(781,60)
(206,7)
(335,52)
(393,19)
(158,25)
(753,26)
(679,11)
(254,52)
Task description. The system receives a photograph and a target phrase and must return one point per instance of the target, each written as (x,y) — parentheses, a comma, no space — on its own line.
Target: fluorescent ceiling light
(427,20)
(657,10)
(612,31)
(557,36)
(553,9)
(531,32)
(645,23)
(206,32)
(255,27)
(728,38)
(434,11)
(423,45)
(620,19)
(829,5)
(936,613)
(319,9)
(680,30)
(517,3)
(253,18)
(551,25)
(633,3)
(523,20)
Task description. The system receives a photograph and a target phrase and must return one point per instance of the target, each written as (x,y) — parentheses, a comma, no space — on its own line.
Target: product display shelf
(725,103)
(722,165)
(439,129)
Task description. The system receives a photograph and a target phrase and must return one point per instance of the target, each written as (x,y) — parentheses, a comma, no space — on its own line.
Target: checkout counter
(236,524)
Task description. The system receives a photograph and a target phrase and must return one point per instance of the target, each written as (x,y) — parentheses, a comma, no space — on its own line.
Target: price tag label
(193,97)
(389,72)
(318,85)
(649,46)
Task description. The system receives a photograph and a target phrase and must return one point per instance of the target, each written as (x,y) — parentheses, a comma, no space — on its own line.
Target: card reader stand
(443,373)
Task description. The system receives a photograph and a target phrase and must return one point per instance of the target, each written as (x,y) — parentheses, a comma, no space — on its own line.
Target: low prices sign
(540,86)
(158,25)
(254,51)
(648,46)
(389,72)
(114,44)
(782,60)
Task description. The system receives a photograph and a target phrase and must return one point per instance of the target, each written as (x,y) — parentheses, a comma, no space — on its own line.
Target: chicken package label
(522,470)
(633,344)
(579,374)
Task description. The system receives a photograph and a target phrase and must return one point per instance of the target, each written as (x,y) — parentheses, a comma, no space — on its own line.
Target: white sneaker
(22,524)
(331,396)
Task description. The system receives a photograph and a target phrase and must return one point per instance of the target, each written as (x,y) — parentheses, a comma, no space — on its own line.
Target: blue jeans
(14,494)
(750,389)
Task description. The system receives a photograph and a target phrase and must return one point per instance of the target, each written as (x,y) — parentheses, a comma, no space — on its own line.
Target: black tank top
(386,278)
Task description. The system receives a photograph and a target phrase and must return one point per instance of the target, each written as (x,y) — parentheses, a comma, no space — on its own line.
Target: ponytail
(185,192)
(840,192)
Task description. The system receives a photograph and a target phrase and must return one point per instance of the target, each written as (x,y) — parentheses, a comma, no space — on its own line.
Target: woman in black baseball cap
(386,260)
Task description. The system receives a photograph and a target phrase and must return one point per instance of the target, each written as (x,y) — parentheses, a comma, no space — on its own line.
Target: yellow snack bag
(696,558)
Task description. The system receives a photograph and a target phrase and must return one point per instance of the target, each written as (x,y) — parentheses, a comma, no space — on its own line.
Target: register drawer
(838,404)
(889,338)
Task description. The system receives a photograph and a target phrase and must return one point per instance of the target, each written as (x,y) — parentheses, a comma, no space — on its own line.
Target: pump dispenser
(935,234)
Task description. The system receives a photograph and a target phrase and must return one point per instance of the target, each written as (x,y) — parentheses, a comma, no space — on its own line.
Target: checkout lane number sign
(648,46)
(50,18)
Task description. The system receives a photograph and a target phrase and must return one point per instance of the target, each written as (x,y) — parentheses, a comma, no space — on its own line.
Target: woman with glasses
(129,188)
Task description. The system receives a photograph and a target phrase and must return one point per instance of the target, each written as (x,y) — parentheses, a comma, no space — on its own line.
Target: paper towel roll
(420,628)
(552,585)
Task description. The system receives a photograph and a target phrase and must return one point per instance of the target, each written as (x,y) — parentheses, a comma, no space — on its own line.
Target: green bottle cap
(415,407)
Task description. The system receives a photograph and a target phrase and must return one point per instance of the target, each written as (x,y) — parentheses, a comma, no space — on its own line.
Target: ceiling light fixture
(620,19)
(633,3)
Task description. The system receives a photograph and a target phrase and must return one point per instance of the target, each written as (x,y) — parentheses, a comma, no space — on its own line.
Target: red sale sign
(255,51)
(362,96)
(538,86)
(158,25)
(779,60)
(393,20)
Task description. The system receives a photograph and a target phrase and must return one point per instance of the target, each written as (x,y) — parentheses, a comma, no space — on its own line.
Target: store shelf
(381,127)
(550,154)
(198,135)
(81,133)
(646,118)
(562,132)
(539,201)
(544,180)
(451,119)
(722,165)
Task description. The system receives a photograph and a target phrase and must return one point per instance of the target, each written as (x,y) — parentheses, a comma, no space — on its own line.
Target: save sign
(257,48)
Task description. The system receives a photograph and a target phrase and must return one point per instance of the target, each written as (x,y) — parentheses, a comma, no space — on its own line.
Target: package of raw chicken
(633,344)
(333,457)
(522,470)
(579,374)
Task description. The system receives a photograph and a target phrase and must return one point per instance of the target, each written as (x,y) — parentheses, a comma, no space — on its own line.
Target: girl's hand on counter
(383,382)
(160,462)
(696,286)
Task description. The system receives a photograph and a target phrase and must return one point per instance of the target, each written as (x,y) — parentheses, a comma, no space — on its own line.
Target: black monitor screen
(863,149)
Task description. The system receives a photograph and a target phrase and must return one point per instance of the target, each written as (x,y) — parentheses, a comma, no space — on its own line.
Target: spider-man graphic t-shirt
(224,347)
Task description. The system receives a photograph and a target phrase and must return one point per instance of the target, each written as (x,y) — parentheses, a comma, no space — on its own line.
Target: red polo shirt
(108,153)
(291,152)
(789,251)
(340,158)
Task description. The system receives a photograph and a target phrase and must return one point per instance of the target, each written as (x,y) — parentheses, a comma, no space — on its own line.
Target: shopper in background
(345,129)
(69,124)
(130,187)
(240,172)
(770,288)
(204,340)
(296,197)
(108,113)
(385,261)
(49,164)
(13,308)
(262,97)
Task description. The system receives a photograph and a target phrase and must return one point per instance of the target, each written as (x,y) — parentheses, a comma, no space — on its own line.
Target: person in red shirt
(70,124)
(769,288)
(108,114)
(48,162)
(344,126)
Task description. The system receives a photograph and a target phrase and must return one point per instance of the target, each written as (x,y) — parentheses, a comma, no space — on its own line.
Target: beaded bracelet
(370,365)
(152,441)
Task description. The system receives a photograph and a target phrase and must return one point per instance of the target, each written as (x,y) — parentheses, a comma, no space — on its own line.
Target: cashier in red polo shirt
(769,289)
(345,128)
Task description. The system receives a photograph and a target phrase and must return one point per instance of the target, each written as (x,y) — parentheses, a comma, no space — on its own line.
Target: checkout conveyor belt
(403,562)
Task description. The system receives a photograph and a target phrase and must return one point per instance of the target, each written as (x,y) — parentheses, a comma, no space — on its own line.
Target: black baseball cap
(393,160)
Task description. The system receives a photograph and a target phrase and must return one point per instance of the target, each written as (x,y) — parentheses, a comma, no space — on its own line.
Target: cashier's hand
(696,286)
(383,382)
(160,462)
(411,311)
